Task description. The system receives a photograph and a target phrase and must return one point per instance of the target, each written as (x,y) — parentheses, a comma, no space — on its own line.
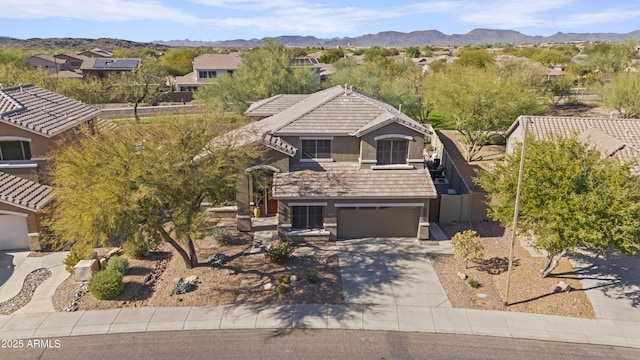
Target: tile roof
(358,184)
(23,193)
(274,104)
(333,111)
(615,137)
(42,111)
(217,62)
(97,63)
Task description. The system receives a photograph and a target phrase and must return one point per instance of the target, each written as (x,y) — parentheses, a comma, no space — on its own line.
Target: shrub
(474,283)
(496,139)
(282,288)
(136,248)
(279,252)
(119,264)
(313,277)
(466,246)
(106,284)
(78,252)
(222,236)
(283,278)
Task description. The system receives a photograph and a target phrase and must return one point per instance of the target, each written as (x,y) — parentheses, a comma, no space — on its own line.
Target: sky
(214,20)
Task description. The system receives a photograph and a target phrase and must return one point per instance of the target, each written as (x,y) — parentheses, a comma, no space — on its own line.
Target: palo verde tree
(571,197)
(623,94)
(146,84)
(264,72)
(142,180)
(477,102)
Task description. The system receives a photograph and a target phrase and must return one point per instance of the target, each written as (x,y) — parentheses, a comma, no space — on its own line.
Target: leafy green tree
(142,180)
(146,84)
(571,197)
(477,102)
(179,61)
(623,94)
(478,58)
(376,53)
(616,58)
(331,56)
(412,52)
(89,91)
(560,88)
(551,57)
(466,246)
(264,72)
(13,74)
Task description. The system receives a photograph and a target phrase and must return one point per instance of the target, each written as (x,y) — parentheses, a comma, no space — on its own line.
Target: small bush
(474,283)
(119,264)
(496,139)
(283,278)
(78,252)
(467,246)
(106,284)
(279,252)
(313,277)
(428,147)
(222,236)
(282,288)
(136,248)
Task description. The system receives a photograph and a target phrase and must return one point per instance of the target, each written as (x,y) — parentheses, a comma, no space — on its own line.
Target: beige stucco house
(206,67)
(33,121)
(342,165)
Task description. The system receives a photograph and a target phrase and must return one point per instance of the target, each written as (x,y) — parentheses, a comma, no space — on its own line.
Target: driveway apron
(389,271)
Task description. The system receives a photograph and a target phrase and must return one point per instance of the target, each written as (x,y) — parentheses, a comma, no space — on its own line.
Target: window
(392,152)
(316,149)
(212,74)
(307,217)
(15,150)
(207,74)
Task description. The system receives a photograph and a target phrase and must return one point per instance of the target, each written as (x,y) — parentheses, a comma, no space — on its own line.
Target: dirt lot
(528,292)
(150,281)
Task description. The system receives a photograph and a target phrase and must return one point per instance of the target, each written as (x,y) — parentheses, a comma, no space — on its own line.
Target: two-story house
(343,164)
(207,67)
(102,68)
(33,121)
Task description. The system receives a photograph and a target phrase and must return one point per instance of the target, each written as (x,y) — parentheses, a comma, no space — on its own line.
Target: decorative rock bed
(31,282)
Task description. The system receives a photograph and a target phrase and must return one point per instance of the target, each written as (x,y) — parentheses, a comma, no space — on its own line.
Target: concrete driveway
(389,271)
(611,282)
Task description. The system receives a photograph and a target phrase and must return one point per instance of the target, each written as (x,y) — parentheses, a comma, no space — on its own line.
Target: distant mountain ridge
(383,39)
(419,38)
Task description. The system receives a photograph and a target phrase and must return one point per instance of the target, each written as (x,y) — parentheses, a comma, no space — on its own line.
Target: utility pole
(516,210)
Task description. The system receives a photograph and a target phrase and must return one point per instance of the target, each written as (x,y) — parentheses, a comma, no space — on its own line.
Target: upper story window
(207,74)
(15,150)
(391,151)
(316,149)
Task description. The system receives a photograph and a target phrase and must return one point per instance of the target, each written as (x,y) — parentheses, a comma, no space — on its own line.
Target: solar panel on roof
(115,63)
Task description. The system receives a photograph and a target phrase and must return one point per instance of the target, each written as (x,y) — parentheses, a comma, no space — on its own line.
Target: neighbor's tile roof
(108,63)
(613,137)
(23,193)
(42,111)
(217,62)
(360,184)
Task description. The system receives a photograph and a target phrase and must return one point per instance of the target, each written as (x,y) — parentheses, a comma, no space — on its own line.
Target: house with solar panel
(339,164)
(102,68)
(33,121)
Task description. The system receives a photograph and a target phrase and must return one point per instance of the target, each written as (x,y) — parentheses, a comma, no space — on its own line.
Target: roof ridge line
(298,116)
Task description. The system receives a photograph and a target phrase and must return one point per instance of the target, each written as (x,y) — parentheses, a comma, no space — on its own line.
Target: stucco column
(423,227)
(243,199)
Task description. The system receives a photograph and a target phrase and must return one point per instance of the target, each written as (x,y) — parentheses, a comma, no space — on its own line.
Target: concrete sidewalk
(354,316)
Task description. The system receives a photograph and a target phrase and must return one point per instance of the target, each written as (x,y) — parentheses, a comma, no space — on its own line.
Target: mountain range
(419,38)
(383,39)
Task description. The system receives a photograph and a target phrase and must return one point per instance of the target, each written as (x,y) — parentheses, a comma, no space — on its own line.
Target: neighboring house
(97,53)
(343,164)
(102,68)
(73,61)
(619,138)
(32,123)
(48,63)
(207,67)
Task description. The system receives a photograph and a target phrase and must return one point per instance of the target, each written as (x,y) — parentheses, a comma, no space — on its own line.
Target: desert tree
(142,180)
(623,94)
(571,197)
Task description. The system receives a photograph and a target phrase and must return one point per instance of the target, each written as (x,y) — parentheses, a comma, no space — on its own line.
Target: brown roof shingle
(42,111)
(23,193)
(358,184)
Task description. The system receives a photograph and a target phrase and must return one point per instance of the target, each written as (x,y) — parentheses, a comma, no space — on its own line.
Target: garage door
(13,232)
(378,222)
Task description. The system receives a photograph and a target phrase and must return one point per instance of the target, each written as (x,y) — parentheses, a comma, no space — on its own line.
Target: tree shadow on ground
(615,274)
(496,265)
